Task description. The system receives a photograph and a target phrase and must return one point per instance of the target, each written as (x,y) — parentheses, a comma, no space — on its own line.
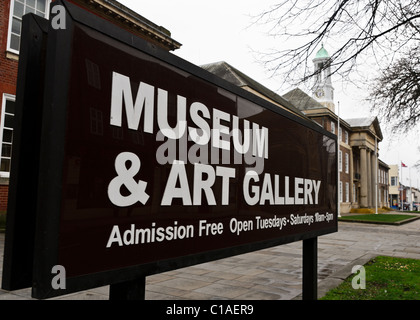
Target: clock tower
(323,91)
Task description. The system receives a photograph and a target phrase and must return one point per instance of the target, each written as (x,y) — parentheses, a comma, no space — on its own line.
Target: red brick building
(11,12)
(8,74)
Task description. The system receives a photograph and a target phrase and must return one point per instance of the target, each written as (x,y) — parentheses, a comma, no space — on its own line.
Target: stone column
(374,174)
(369,178)
(363,179)
(351,171)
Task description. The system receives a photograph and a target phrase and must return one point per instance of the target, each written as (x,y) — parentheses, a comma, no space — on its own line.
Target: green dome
(322,53)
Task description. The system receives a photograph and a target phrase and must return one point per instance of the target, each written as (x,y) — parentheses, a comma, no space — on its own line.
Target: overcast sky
(222,30)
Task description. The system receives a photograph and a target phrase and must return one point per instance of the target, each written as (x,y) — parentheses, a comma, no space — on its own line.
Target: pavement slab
(270,274)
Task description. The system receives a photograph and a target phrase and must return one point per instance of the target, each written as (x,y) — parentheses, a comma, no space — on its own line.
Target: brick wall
(8,66)
(4,23)
(8,76)
(4,192)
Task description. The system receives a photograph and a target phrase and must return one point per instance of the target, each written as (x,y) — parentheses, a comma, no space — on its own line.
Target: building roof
(224,70)
(301,100)
(322,53)
(360,122)
(304,102)
(123,16)
(365,124)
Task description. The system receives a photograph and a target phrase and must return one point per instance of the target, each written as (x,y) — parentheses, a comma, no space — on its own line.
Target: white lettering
(317,185)
(115,237)
(121,91)
(177,173)
(226,174)
(305,190)
(308,191)
(206,229)
(135,236)
(267,190)
(236,133)
(288,199)
(201,184)
(260,141)
(251,200)
(298,190)
(203,126)
(181,123)
(219,130)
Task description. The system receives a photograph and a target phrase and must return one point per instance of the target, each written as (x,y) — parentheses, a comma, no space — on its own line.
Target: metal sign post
(310,269)
(128,290)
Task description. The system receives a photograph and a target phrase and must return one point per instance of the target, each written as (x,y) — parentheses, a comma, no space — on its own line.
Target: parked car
(405,206)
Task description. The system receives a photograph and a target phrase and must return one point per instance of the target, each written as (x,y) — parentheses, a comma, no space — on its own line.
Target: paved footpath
(269,274)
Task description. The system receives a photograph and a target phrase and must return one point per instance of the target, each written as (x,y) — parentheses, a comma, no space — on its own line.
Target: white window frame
(9,30)
(394,181)
(341,191)
(347,162)
(340,160)
(333,127)
(347,192)
(9,97)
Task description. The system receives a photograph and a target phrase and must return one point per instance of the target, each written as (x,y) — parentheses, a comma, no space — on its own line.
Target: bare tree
(355,30)
(396,93)
(385,33)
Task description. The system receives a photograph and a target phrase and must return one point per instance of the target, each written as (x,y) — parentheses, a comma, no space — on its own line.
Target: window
(93,74)
(347,192)
(96,122)
(333,127)
(346,136)
(18,8)
(347,163)
(6,133)
(341,191)
(394,181)
(340,161)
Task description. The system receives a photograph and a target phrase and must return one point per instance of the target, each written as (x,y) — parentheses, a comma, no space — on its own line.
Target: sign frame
(51,161)
(23,186)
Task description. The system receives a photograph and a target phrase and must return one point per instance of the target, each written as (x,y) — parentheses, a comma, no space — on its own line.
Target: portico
(366,134)
(368,161)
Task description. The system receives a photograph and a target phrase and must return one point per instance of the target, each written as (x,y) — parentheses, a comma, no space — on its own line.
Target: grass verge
(384,218)
(387,278)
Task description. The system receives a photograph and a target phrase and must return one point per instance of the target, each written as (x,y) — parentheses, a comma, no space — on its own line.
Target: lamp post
(338,164)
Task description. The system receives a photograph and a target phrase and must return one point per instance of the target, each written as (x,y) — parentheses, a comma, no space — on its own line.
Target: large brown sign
(149,163)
